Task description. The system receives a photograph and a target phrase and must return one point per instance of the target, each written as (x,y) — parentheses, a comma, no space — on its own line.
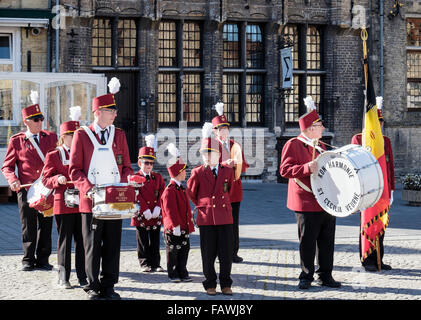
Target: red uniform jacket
(176,209)
(210,195)
(236,192)
(54,168)
(149,197)
(80,159)
(295,156)
(357,139)
(22,154)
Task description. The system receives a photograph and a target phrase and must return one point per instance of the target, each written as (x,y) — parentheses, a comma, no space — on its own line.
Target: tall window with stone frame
(180,72)
(244,72)
(413,61)
(114,42)
(308,74)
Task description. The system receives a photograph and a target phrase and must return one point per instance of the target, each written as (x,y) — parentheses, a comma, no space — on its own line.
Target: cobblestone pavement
(268,244)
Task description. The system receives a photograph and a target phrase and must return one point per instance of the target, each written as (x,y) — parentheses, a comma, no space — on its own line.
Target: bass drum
(347,180)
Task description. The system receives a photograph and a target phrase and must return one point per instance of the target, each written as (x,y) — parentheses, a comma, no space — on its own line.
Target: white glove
(156,212)
(147,214)
(176,231)
(391,198)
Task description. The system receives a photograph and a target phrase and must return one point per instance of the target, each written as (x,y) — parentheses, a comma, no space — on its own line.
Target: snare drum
(114,201)
(71,198)
(40,197)
(347,180)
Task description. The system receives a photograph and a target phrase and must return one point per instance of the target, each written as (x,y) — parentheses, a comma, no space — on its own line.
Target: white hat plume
(379,102)
(172,149)
(151,141)
(219,107)
(75,113)
(308,101)
(207,130)
(34,97)
(114,85)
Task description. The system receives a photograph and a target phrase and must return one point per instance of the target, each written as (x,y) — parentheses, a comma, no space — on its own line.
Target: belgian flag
(374,220)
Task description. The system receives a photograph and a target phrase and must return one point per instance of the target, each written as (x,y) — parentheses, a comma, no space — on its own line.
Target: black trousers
(372,258)
(235,226)
(148,246)
(36,232)
(102,240)
(177,255)
(216,241)
(316,232)
(69,225)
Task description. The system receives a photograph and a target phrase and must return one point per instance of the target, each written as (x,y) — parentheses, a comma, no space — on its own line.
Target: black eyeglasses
(148,163)
(38,119)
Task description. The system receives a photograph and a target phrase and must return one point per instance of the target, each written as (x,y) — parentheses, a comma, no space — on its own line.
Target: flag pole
(364,37)
(379,263)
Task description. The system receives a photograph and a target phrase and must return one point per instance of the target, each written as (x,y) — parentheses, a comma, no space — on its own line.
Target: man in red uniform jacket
(148,222)
(316,228)
(370,263)
(178,223)
(231,156)
(208,188)
(22,154)
(102,238)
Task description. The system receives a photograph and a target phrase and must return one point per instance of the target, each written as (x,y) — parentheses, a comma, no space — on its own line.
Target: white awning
(24,22)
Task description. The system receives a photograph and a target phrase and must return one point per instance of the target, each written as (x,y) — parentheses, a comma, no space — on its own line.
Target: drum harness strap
(298,181)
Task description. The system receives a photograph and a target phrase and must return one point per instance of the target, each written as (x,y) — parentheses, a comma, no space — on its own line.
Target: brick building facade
(176,59)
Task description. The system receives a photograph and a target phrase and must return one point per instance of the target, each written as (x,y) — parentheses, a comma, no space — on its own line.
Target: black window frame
(243,71)
(180,70)
(304,72)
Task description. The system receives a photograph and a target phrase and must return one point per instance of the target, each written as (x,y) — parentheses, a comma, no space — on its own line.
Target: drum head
(336,185)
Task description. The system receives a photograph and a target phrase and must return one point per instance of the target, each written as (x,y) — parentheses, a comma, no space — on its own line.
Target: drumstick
(30,184)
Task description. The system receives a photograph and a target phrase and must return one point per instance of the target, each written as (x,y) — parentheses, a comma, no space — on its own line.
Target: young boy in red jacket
(209,188)
(177,220)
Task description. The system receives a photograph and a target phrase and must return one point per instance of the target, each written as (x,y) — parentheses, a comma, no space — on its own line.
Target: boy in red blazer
(148,222)
(68,218)
(209,189)
(316,227)
(178,221)
(231,156)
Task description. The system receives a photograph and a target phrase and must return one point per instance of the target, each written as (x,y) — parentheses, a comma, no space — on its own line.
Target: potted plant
(412,189)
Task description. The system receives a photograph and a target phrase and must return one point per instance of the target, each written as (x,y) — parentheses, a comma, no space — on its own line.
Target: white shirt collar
(66,148)
(215,167)
(305,137)
(176,181)
(29,134)
(98,129)
(145,174)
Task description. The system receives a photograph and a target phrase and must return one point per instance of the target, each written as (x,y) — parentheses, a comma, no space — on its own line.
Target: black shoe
(157,269)
(93,295)
(386,267)
(175,280)
(186,279)
(83,282)
(27,267)
(304,284)
(110,294)
(63,284)
(237,259)
(145,269)
(43,266)
(370,268)
(329,282)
